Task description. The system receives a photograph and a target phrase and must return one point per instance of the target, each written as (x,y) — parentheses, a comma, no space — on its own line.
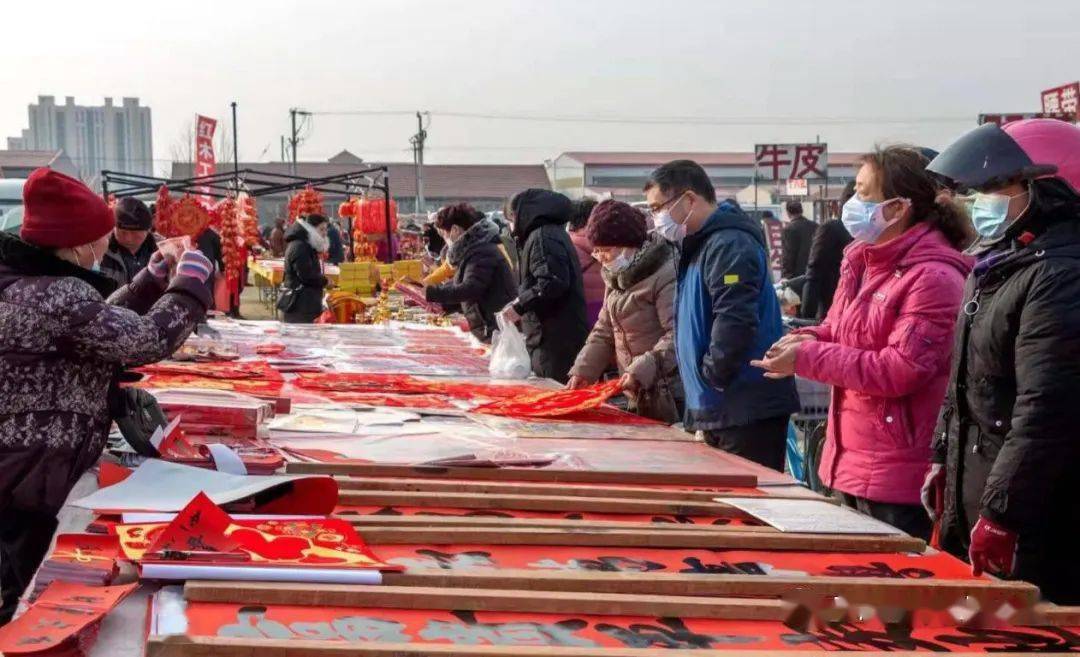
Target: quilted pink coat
(885,347)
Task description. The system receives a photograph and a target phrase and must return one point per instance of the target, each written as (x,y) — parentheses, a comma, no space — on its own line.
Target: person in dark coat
(336,253)
(132,243)
(277,239)
(823,266)
(795,240)
(551,298)
(65,333)
(1003,476)
(306,240)
(483,283)
(726,314)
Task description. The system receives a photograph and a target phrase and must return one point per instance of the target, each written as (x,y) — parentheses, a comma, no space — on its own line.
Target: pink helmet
(1029,149)
(1049,141)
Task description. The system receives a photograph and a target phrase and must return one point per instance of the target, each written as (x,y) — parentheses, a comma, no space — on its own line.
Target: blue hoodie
(727,314)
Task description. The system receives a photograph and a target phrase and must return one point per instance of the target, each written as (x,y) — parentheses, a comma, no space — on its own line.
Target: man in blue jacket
(726,314)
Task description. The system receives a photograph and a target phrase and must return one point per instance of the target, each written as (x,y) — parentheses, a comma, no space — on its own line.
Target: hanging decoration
(306,201)
(249,220)
(231,240)
(185,217)
(163,208)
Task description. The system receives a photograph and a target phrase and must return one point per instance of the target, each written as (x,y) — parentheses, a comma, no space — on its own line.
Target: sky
(694,75)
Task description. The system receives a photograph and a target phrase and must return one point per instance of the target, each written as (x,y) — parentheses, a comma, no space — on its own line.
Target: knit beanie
(614,223)
(62,212)
(132,214)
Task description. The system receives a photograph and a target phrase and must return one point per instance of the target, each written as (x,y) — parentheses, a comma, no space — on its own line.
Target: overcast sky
(843,70)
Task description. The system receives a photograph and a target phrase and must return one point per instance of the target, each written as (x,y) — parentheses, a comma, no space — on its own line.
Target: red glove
(993,549)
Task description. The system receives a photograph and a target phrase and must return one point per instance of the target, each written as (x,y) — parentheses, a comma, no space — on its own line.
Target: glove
(158,266)
(993,549)
(933,489)
(194,264)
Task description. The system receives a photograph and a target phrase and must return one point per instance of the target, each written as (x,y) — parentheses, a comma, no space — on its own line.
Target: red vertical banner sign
(204,153)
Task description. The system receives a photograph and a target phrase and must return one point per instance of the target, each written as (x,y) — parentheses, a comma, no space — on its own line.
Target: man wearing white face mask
(726,315)
(1006,445)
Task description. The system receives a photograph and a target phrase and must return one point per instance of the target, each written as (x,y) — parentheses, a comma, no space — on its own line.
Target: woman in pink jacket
(886,343)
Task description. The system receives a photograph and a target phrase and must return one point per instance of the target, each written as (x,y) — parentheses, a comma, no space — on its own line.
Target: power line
(672,120)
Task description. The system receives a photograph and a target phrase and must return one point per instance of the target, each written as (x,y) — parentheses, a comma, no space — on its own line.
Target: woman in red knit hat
(636,323)
(65,335)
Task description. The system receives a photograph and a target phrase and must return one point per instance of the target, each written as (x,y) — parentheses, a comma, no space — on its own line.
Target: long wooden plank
(537,503)
(362,521)
(879,591)
(1046,613)
(731,539)
(593,490)
(202,646)
(543,602)
(718,479)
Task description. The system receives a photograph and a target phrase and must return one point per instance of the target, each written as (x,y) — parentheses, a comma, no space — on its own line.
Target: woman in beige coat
(636,324)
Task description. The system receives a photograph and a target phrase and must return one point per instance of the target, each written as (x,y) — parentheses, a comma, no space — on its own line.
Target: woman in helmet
(1007,441)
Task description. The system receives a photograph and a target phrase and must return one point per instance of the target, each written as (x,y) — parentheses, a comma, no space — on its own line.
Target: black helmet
(984,157)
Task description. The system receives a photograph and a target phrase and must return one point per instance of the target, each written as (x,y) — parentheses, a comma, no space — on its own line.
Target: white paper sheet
(158,485)
(809,516)
(186,571)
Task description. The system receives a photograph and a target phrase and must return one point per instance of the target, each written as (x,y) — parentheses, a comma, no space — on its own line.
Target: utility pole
(417,142)
(282,148)
(293,113)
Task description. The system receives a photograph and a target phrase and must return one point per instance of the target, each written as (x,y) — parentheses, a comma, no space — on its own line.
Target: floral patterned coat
(62,345)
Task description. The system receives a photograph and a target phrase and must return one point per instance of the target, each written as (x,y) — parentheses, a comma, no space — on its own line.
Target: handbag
(288,298)
(137,415)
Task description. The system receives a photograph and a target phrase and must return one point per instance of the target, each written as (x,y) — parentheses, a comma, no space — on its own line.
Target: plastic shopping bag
(509,357)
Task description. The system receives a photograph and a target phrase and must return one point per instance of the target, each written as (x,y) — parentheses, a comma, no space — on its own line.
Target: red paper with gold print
(187,217)
(258,387)
(554,403)
(392,400)
(219,370)
(92,551)
(408,385)
(60,613)
(311,542)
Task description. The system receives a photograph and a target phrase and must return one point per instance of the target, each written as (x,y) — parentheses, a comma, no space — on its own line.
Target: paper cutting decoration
(553,403)
(187,217)
(205,533)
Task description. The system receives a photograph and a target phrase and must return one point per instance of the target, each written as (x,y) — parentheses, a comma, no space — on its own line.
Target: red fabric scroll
(553,403)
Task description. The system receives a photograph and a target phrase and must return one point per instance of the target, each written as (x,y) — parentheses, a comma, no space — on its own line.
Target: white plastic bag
(509,357)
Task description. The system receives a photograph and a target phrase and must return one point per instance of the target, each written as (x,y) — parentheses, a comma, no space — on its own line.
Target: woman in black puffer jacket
(483,283)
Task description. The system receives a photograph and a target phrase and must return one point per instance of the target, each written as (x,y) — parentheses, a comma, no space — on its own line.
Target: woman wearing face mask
(885,344)
(61,346)
(483,283)
(304,281)
(636,324)
(1006,447)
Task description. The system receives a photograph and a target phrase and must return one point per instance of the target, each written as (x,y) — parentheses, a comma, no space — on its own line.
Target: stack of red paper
(214,413)
(80,558)
(63,621)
